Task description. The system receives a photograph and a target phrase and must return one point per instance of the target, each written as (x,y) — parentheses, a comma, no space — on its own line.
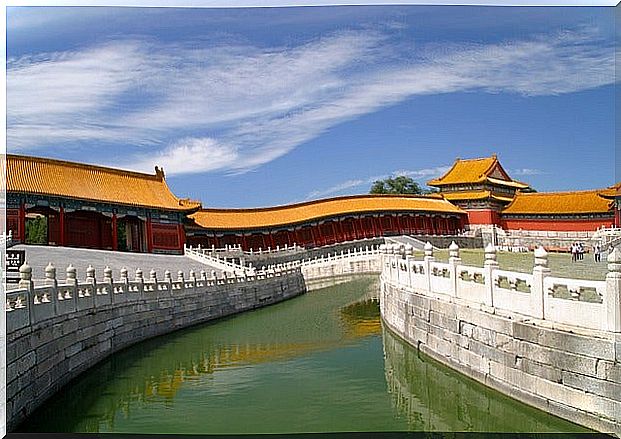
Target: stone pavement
(39,256)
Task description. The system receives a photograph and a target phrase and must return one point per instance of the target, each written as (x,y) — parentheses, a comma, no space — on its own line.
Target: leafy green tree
(36,230)
(121,236)
(397,185)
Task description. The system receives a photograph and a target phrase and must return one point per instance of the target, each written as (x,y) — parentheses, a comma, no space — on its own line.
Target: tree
(397,185)
(36,230)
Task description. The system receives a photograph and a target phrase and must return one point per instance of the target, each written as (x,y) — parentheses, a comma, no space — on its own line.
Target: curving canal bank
(551,342)
(317,362)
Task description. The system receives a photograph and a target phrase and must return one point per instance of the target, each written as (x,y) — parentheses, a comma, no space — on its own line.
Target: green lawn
(559,263)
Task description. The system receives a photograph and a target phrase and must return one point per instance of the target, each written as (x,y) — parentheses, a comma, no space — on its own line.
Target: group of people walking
(577,252)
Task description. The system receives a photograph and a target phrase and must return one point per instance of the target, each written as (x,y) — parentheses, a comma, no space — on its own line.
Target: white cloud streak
(233,108)
(421,175)
(526,171)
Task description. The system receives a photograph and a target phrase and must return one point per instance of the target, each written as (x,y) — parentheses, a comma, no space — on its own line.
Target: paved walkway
(39,256)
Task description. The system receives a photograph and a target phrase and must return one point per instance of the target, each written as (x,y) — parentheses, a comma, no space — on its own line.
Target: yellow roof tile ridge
(431,197)
(156,176)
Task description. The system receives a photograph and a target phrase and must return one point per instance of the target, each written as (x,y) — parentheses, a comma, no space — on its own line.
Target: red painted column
(115,238)
(380,225)
(22,222)
(61,225)
(321,240)
(244,243)
(617,214)
(343,236)
(354,228)
(271,240)
(149,235)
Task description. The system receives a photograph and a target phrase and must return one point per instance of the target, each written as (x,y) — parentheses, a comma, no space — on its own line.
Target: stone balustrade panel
(575,302)
(512,291)
(440,278)
(470,283)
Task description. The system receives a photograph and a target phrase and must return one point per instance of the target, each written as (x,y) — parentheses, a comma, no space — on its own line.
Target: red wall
(165,236)
(556,225)
(483,216)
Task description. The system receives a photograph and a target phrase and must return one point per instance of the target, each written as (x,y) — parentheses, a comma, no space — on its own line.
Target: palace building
(93,206)
(55,202)
(480,186)
(491,197)
(558,211)
(327,221)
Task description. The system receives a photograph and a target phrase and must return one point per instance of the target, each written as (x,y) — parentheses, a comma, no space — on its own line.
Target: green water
(317,363)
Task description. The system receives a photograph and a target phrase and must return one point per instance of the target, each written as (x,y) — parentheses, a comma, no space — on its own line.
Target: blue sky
(266,106)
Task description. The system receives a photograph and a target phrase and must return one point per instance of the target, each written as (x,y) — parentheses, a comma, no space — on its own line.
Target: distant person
(574,252)
(597,253)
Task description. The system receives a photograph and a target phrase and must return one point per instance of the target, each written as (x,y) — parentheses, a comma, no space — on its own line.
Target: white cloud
(526,171)
(421,175)
(191,155)
(238,107)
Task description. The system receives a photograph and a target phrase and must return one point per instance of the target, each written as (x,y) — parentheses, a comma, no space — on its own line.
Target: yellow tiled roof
(513,183)
(611,192)
(558,203)
(235,219)
(476,171)
(88,182)
(466,195)
(474,195)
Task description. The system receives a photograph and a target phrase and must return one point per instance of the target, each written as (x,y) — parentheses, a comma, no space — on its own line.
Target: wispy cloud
(346,187)
(526,171)
(199,107)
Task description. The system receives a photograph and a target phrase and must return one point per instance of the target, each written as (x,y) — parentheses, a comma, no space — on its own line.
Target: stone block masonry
(57,331)
(530,352)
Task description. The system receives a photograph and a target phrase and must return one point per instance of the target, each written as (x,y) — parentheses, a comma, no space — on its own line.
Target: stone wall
(56,332)
(570,371)
(339,268)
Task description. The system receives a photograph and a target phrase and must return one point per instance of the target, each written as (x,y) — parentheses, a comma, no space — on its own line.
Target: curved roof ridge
(294,214)
(157,175)
(320,200)
(72,180)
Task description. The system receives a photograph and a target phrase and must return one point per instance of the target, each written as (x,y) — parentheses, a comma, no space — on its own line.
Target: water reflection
(155,371)
(432,397)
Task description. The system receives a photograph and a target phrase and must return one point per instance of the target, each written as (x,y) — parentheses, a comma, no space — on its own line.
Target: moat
(319,362)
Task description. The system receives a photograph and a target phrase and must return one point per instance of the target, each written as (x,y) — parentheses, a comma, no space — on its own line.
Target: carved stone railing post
(153,276)
(50,277)
(181,280)
(612,298)
(537,291)
(72,276)
(25,277)
(409,257)
(124,276)
(140,281)
(428,259)
(90,277)
(107,275)
(168,280)
(454,260)
(489,266)
(25,281)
